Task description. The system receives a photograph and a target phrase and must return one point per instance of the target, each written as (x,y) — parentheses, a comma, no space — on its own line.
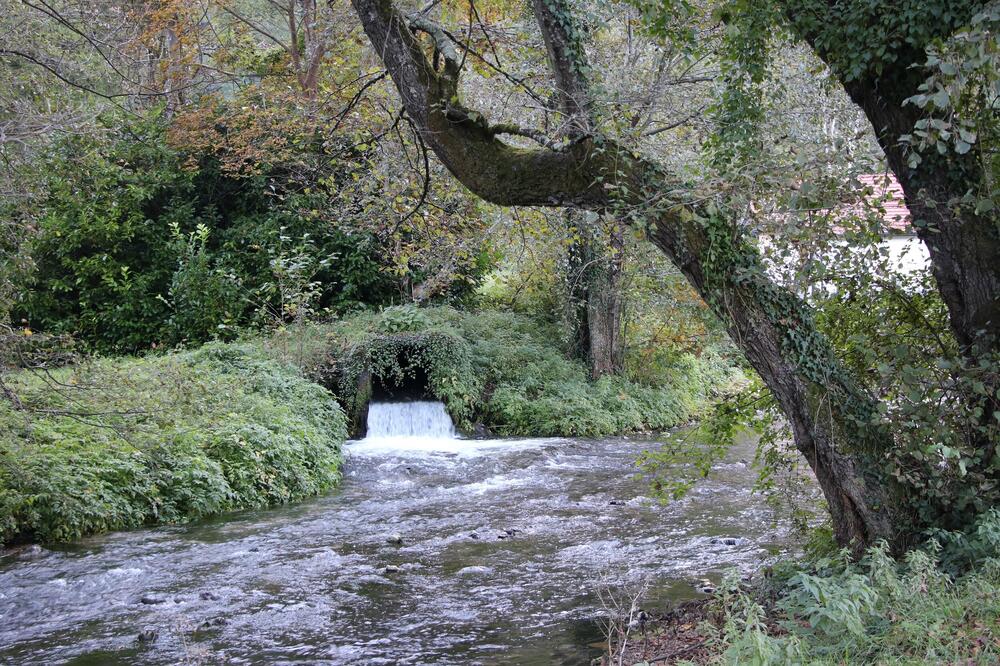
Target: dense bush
(136,244)
(879,610)
(114,444)
(504,370)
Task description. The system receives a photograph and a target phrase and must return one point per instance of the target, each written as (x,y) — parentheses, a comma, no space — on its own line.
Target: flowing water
(433,550)
(420,418)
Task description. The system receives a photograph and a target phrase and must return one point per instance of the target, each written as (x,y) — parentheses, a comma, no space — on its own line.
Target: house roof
(886,190)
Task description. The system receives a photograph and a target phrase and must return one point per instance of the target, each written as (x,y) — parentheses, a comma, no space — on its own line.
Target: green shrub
(504,370)
(134,248)
(400,318)
(205,300)
(115,444)
(880,610)
(102,252)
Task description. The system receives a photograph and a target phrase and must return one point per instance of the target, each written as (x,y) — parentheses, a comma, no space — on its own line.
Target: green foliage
(863,38)
(858,38)
(504,370)
(400,318)
(136,248)
(958,100)
(879,610)
(745,62)
(890,329)
(112,444)
(100,262)
(205,300)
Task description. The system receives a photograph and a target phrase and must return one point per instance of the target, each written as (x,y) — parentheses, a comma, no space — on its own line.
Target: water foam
(422,427)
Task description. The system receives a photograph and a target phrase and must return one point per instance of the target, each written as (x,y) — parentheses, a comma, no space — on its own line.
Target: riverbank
(938,604)
(114,443)
(109,444)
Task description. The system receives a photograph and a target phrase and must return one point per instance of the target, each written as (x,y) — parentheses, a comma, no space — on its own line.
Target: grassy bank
(113,443)
(940,604)
(502,370)
(117,443)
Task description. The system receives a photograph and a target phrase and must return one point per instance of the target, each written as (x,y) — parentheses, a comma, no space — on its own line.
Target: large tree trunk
(595,295)
(964,247)
(832,418)
(604,328)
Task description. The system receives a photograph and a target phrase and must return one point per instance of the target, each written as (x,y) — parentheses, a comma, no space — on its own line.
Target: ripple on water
(502,544)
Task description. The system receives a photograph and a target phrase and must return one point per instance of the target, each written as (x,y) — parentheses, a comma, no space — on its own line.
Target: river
(433,550)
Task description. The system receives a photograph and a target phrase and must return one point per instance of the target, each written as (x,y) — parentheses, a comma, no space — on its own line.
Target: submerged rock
(727,541)
(391,569)
(209,596)
(28,552)
(395,539)
(148,634)
(152,599)
(705,586)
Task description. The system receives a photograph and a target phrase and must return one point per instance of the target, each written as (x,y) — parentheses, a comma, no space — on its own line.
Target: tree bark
(964,247)
(595,295)
(831,416)
(606,306)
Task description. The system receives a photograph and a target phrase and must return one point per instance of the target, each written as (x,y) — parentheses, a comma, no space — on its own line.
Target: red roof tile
(886,190)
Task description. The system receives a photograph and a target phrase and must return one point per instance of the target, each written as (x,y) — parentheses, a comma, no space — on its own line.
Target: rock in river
(474,571)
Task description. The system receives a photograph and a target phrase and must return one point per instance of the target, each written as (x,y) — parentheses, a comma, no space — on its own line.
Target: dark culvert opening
(372,387)
(412,387)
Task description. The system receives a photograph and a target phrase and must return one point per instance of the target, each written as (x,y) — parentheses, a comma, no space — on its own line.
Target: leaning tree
(833,418)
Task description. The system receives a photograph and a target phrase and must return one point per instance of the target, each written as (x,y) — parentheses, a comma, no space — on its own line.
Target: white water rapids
(433,550)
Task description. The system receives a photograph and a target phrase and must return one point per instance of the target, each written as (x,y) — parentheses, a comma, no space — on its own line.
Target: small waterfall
(423,418)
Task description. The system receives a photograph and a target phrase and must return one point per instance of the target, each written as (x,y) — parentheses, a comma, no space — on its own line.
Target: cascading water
(422,419)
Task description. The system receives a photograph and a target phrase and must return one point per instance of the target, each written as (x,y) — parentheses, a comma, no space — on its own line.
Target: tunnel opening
(404,378)
(413,385)
(399,367)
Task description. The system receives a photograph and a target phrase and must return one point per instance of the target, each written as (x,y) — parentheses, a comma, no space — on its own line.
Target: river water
(433,550)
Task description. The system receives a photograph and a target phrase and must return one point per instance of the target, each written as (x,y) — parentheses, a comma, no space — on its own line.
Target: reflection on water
(432,551)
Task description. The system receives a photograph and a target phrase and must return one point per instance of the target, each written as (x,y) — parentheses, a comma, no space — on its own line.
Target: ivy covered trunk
(606,308)
(833,420)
